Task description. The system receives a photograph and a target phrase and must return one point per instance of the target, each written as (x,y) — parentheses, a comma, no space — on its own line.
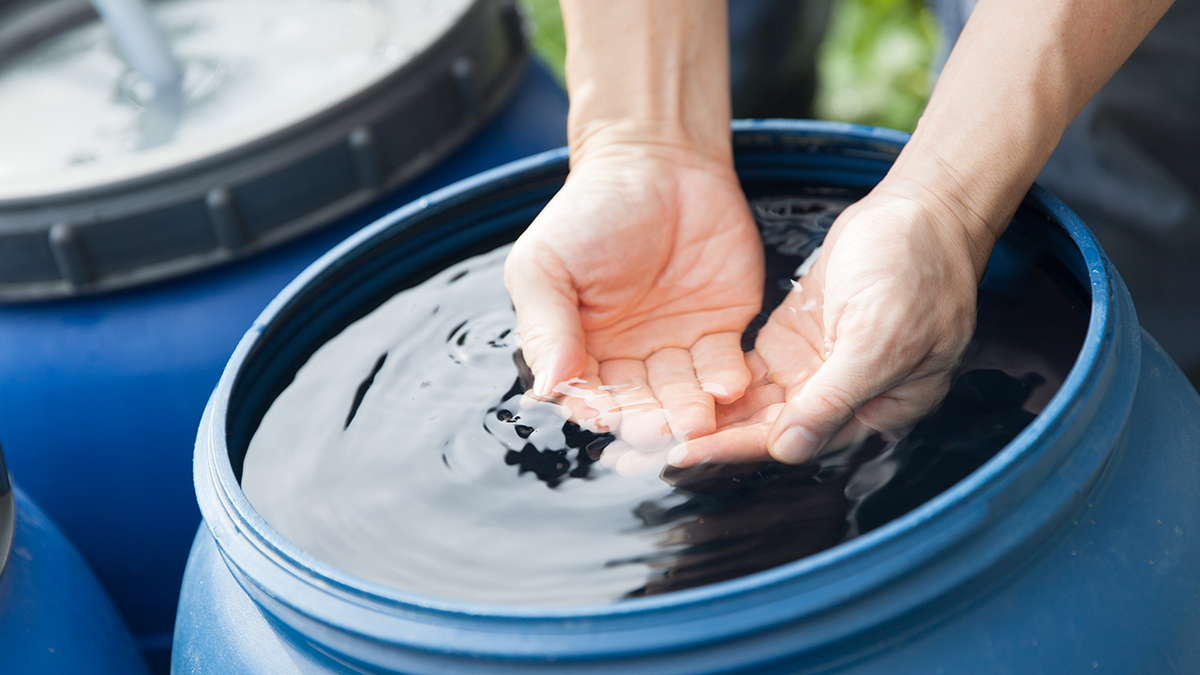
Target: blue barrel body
(54,617)
(100,396)
(1073,550)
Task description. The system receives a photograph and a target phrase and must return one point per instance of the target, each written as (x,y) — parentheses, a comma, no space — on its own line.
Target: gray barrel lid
(206,209)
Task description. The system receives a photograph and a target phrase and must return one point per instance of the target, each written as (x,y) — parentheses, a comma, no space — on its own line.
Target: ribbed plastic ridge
(223,215)
(68,255)
(366,157)
(463,71)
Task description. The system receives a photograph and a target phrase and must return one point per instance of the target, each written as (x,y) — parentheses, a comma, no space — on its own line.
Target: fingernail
(796,445)
(677,455)
(714,389)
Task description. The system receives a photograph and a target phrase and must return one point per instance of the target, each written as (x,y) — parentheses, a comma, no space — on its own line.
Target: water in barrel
(404,452)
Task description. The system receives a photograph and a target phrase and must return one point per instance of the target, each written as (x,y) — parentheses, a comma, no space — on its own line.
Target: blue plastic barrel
(100,394)
(1073,550)
(54,617)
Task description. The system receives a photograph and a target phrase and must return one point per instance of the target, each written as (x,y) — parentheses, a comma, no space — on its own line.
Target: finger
(643,424)
(613,452)
(689,411)
(733,445)
(851,433)
(744,443)
(552,337)
(897,410)
(752,406)
(579,399)
(823,405)
(640,463)
(758,368)
(589,403)
(720,366)
(791,343)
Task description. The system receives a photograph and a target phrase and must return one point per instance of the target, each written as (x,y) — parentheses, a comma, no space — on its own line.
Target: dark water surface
(401,453)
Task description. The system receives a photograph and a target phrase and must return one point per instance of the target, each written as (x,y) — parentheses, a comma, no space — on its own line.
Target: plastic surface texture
(206,211)
(100,396)
(8,509)
(1072,550)
(54,617)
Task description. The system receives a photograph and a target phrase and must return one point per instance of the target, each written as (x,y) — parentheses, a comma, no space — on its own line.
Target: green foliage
(873,66)
(547,34)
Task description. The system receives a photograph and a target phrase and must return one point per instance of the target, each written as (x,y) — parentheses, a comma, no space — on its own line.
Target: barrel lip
(331,605)
(8,516)
(8,512)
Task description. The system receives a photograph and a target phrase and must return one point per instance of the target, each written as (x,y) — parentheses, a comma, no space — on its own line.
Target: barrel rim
(743,606)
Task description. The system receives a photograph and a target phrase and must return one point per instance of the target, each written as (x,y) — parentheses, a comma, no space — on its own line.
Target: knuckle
(830,403)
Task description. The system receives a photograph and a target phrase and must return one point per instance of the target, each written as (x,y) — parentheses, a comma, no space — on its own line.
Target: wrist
(656,140)
(652,75)
(976,168)
(1018,75)
(949,203)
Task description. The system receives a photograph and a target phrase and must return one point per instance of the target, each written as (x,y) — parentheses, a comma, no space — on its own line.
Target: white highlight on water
(808,263)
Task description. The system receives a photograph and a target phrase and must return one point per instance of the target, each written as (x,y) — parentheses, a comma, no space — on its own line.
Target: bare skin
(633,286)
(643,264)
(683,238)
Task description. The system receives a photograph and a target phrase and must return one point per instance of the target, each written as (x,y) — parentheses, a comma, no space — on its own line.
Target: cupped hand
(632,289)
(867,342)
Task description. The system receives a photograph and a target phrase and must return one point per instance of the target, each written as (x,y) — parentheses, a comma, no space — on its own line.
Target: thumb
(547,307)
(822,406)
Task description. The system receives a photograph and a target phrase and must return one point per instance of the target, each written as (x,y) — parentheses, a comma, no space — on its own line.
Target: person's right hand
(870,339)
(641,274)
(638,278)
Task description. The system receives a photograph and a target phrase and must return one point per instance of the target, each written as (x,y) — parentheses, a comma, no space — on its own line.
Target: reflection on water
(402,454)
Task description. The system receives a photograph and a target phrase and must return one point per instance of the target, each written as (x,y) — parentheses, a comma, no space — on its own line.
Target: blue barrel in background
(103,380)
(1073,550)
(54,617)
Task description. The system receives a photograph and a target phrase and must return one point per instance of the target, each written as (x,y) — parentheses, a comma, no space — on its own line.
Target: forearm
(1021,71)
(655,74)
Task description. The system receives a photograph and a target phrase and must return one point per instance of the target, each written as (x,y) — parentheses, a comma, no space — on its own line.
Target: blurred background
(873,66)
